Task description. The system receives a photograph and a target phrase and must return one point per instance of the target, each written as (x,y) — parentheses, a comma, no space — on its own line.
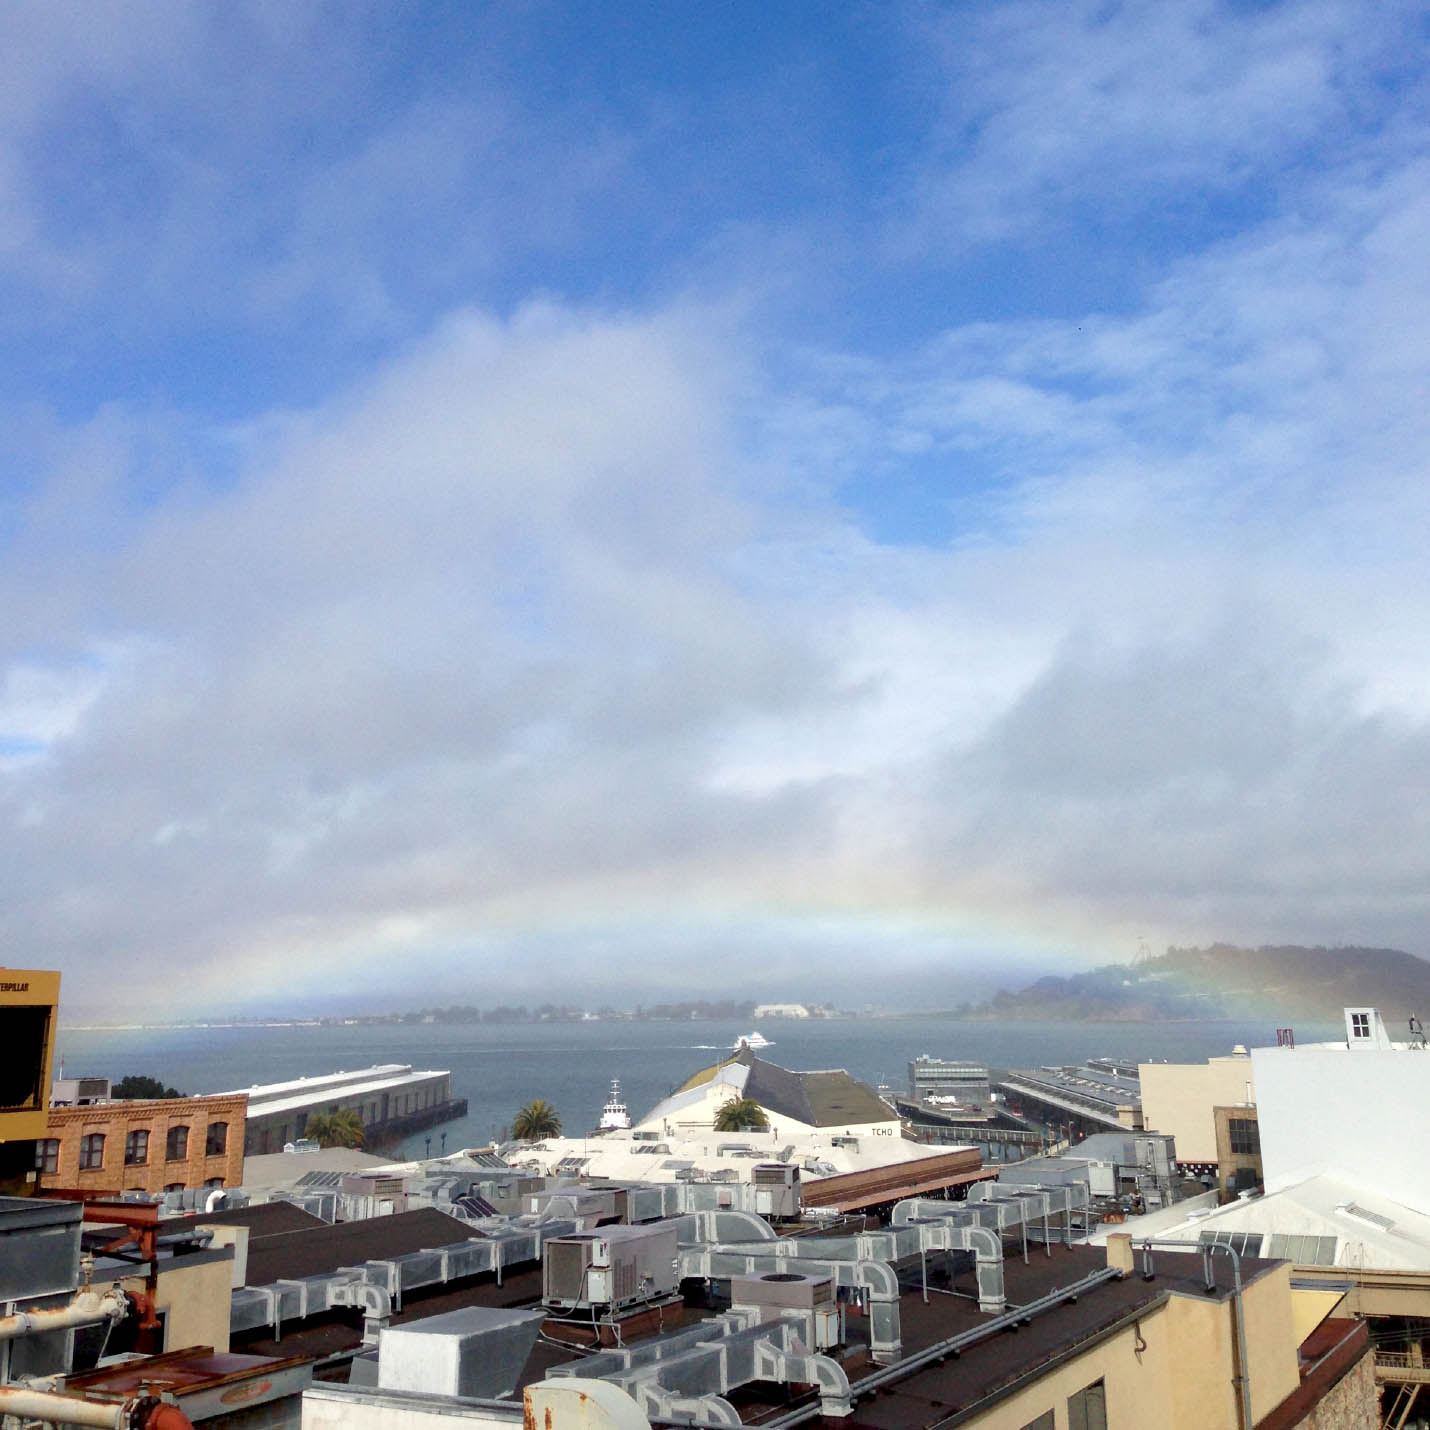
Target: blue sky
(685,497)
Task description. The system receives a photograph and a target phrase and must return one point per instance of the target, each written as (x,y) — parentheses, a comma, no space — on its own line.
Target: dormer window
(1360,1025)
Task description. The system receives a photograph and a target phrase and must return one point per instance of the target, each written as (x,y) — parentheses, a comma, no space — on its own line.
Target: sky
(592,503)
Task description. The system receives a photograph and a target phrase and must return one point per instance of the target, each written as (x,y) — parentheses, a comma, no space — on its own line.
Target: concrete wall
(195,1295)
(1179,1098)
(115,1120)
(1324,1109)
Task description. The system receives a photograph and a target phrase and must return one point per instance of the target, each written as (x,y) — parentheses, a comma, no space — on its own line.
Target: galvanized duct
(874,1277)
(721,1226)
(1012,1207)
(686,1374)
(252,1307)
(901,1243)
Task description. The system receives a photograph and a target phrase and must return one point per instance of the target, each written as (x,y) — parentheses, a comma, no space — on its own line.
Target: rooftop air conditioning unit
(616,1266)
(776,1189)
(777,1294)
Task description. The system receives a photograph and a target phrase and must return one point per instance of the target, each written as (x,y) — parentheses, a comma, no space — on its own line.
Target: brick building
(163,1144)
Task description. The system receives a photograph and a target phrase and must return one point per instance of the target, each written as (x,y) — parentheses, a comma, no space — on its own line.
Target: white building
(1347,1108)
(781,1010)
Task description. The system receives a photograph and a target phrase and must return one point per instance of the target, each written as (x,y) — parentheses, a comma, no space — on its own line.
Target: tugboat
(615,1116)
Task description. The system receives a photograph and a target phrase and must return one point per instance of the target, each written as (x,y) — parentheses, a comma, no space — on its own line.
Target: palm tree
(342,1128)
(536,1120)
(742,1114)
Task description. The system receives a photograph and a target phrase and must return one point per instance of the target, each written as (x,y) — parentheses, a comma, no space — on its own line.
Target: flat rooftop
(938,1393)
(268,1098)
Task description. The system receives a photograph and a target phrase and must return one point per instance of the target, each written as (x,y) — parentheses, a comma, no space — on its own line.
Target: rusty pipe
(138,1412)
(87,1309)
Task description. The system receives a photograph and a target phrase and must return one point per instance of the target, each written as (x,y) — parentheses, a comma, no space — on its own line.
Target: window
(1303,1250)
(91,1152)
(1044,1422)
(176,1145)
(24,1034)
(136,1147)
(216,1143)
(1244,1243)
(213,1184)
(1245,1136)
(1087,1410)
(173,1186)
(1360,1025)
(47,1154)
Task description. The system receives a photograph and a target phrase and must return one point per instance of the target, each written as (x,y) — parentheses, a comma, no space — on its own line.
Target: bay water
(498,1067)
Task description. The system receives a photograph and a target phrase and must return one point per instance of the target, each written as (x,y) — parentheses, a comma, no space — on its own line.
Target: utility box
(776,1189)
(616,1266)
(778,1294)
(477,1351)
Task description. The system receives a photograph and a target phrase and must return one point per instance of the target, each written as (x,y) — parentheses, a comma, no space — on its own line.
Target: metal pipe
(138,1412)
(87,1309)
(1242,1379)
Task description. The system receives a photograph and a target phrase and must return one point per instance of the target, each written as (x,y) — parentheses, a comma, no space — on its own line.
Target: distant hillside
(1223,981)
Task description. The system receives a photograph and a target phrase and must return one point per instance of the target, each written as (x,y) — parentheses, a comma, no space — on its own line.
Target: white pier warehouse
(392,1099)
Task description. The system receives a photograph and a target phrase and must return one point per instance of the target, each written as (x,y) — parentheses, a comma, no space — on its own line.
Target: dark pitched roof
(835,1097)
(313,1251)
(821,1099)
(265,1219)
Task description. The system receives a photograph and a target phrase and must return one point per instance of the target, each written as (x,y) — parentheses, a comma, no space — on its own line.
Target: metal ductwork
(253,1306)
(874,1278)
(685,1376)
(896,1244)
(721,1226)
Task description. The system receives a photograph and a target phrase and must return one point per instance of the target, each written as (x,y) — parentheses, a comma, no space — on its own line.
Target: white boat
(752,1040)
(615,1116)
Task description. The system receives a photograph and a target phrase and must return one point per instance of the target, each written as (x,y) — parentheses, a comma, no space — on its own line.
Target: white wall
(1324,1109)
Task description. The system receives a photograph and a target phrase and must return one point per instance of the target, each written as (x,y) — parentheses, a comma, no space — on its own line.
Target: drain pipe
(87,1309)
(139,1412)
(1242,1378)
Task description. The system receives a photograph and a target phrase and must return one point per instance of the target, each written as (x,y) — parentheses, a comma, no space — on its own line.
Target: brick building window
(216,1142)
(91,1152)
(173,1186)
(176,1145)
(47,1154)
(1245,1136)
(136,1147)
(214,1184)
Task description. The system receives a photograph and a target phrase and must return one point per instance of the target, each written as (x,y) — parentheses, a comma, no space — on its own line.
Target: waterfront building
(1075,1101)
(167,1144)
(781,1010)
(391,1099)
(965,1082)
(795,1102)
(29,1007)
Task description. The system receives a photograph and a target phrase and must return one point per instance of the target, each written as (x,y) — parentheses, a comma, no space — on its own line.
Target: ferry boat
(752,1040)
(615,1116)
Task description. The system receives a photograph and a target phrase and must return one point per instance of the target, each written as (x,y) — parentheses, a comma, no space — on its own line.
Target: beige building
(1182,1098)
(154,1145)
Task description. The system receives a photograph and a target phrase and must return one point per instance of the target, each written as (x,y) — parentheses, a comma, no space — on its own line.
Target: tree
(138,1086)
(742,1114)
(536,1120)
(342,1128)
